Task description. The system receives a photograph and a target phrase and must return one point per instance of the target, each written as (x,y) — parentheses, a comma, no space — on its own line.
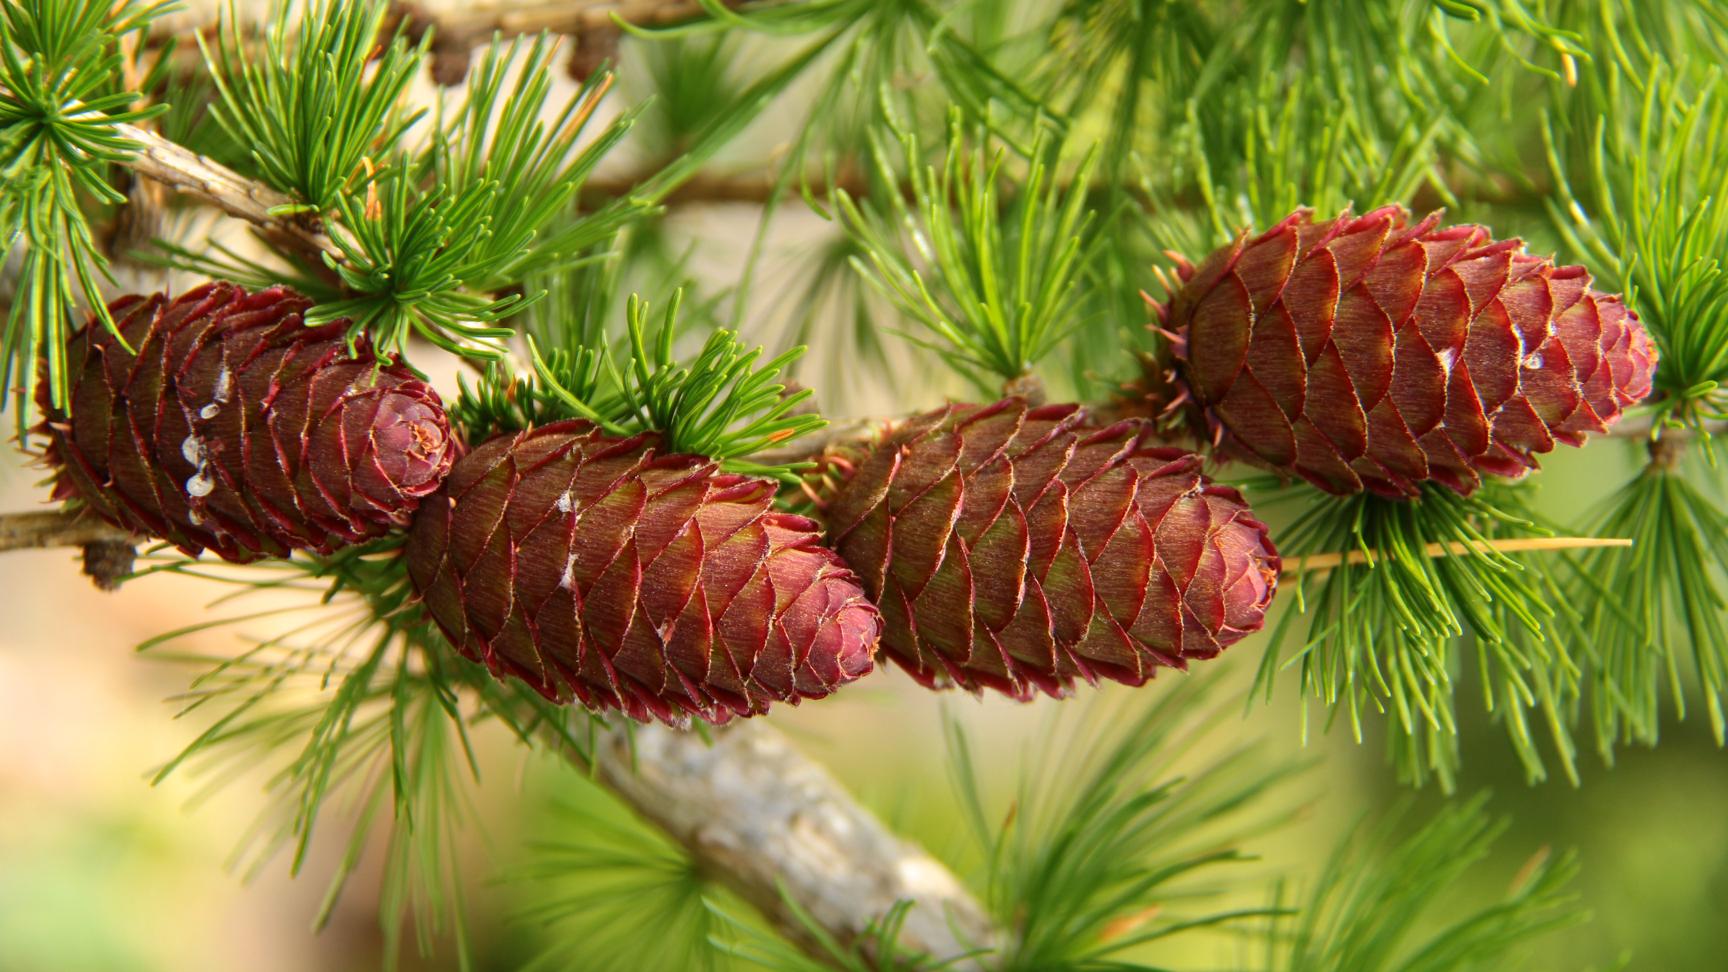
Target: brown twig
(186,171)
(55,528)
(808,447)
(593,23)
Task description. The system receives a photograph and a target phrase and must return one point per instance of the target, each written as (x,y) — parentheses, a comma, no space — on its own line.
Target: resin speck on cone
(231,426)
(595,568)
(1371,353)
(1019,548)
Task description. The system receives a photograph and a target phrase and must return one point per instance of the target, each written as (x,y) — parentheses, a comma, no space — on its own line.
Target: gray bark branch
(772,824)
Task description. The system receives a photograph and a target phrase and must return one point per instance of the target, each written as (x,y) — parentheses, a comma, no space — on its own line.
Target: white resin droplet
(224,384)
(209,411)
(568,580)
(200,484)
(1447,357)
(194,451)
(1534,361)
(566,502)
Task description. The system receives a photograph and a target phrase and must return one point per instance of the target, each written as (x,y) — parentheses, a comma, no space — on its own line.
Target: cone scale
(1020,548)
(1371,353)
(599,570)
(231,426)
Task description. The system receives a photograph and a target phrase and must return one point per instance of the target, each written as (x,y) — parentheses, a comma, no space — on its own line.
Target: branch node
(108,562)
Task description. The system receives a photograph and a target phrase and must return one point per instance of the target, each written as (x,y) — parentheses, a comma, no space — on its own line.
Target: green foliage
(684,83)
(883,40)
(190,119)
(1639,156)
(356,717)
(498,138)
(1671,586)
(876,951)
(722,403)
(601,877)
(1374,904)
(867,46)
(1390,634)
(318,102)
(429,245)
(991,273)
(1652,218)
(1103,836)
(406,262)
(62,95)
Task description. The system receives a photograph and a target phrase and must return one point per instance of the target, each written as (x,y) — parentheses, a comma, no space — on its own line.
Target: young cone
(1365,352)
(1017,547)
(233,427)
(592,567)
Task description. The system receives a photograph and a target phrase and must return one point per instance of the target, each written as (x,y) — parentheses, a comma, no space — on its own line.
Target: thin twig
(593,24)
(186,171)
(56,528)
(1316,563)
(474,25)
(812,445)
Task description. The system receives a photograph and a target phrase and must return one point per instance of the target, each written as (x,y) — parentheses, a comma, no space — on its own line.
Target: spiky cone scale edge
(1367,352)
(233,427)
(599,570)
(1020,548)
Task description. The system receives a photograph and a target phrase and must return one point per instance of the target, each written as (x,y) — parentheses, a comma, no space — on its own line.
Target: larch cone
(1371,353)
(1020,548)
(231,426)
(597,569)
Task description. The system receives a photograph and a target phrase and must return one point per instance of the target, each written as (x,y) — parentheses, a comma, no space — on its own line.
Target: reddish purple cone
(233,427)
(1017,548)
(1366,352)
(593,567)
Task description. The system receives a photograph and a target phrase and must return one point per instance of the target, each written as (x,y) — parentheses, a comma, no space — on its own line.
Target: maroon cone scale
(596,568)
(233,427)
(1368,352)
(1018,548)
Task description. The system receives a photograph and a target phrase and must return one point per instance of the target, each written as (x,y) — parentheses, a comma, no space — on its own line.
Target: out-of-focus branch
(592,23)
(777,828)
(719,188)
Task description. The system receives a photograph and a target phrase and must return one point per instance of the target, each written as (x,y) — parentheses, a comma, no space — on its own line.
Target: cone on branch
(1018,548)
(231,426)
(1372,353)
(595,568)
